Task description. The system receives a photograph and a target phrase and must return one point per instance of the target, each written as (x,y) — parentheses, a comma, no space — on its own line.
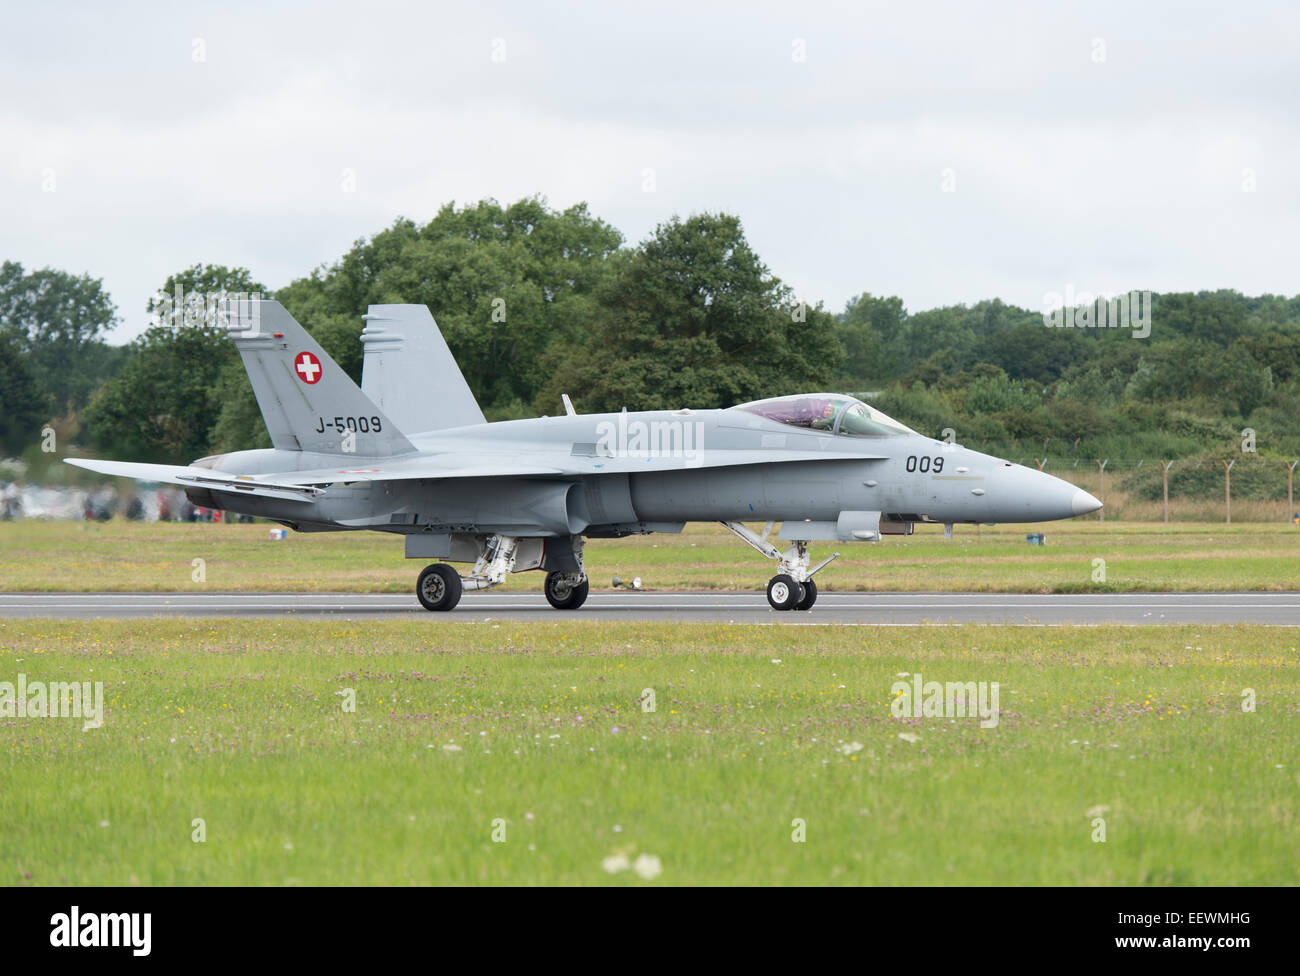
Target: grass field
(241,724)
(131,556)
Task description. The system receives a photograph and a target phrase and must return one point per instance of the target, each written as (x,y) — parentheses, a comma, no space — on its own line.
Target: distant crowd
(101,504)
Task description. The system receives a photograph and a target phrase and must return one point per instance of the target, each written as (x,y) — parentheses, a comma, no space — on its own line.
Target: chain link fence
(1247,488)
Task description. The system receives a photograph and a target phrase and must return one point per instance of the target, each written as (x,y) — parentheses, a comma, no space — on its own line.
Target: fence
(1202,487)
(1142,490)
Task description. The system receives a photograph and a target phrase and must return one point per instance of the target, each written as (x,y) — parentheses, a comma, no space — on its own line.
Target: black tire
(783,592)
(438,587)
(562,596)
(809,596)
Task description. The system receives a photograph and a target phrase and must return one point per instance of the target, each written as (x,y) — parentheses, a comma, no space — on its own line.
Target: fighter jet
(409,453)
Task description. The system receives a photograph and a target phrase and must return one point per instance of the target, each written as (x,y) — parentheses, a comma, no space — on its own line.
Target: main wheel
(783,592)
(809,596)
(562,594)
(438,587)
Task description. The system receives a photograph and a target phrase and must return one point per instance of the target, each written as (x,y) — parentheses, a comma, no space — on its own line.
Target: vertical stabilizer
(308,402)
(410,372)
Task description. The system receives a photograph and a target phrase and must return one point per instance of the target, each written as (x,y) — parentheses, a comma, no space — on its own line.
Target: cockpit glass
(861,421)
(830,412)
(815,412)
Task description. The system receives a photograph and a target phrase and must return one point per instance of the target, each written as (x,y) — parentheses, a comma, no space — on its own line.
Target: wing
(550,464)
(305,486)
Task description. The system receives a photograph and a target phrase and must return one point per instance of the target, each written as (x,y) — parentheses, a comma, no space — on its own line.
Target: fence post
(1227,489)
(1167,465)
(1290,488)
(1101,487)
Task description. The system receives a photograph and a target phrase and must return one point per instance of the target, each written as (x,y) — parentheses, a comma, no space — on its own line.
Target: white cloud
(1125,173)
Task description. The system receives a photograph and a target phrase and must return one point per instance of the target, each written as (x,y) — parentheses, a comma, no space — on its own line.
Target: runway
(832,608)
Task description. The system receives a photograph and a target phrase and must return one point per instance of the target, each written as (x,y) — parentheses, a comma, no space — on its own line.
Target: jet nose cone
(1082,503)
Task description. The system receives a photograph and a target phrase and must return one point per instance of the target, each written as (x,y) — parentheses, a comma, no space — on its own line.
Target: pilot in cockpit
(824,420)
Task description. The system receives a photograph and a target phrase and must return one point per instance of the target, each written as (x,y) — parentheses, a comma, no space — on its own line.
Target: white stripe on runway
(861,608)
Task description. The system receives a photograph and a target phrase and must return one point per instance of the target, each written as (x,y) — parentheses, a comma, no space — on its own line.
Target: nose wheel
(809,596)
(784,592)
(438,587)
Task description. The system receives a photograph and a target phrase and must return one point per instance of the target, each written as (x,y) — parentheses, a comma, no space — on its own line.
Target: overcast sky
(941,152)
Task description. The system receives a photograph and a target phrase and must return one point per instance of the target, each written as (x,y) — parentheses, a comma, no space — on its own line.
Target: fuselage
(653,470)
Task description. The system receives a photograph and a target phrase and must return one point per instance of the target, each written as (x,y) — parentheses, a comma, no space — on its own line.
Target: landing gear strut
(793,587)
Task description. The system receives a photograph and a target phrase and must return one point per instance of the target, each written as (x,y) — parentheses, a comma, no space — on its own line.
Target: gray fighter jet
(410,453)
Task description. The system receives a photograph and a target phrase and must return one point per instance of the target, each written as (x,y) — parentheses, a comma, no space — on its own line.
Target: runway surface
(839,608)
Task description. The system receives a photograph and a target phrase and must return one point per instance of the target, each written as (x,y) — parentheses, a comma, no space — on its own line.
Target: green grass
(127,556)
(240,723)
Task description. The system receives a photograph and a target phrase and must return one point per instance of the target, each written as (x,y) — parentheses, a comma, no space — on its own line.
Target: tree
(939,328)
(1218,317)
(1243,382)
(991,391)
(1030,350)
(867,326)
(56,319)
(694,318)
(1279,351)
(20,413)
(506,285)
(168,398)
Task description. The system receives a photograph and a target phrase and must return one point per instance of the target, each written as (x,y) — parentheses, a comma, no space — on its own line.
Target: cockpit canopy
(834,413)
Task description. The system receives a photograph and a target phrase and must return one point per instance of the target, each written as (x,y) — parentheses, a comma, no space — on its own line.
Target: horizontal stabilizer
(190,477)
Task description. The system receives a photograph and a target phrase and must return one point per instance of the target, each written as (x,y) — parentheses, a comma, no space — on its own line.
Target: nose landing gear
(792,588)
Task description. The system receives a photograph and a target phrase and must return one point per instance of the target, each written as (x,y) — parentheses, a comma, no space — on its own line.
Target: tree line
(536,302)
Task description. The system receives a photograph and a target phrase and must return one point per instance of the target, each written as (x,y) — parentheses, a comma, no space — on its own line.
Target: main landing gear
(793,587)
(439,586)
(566,591)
